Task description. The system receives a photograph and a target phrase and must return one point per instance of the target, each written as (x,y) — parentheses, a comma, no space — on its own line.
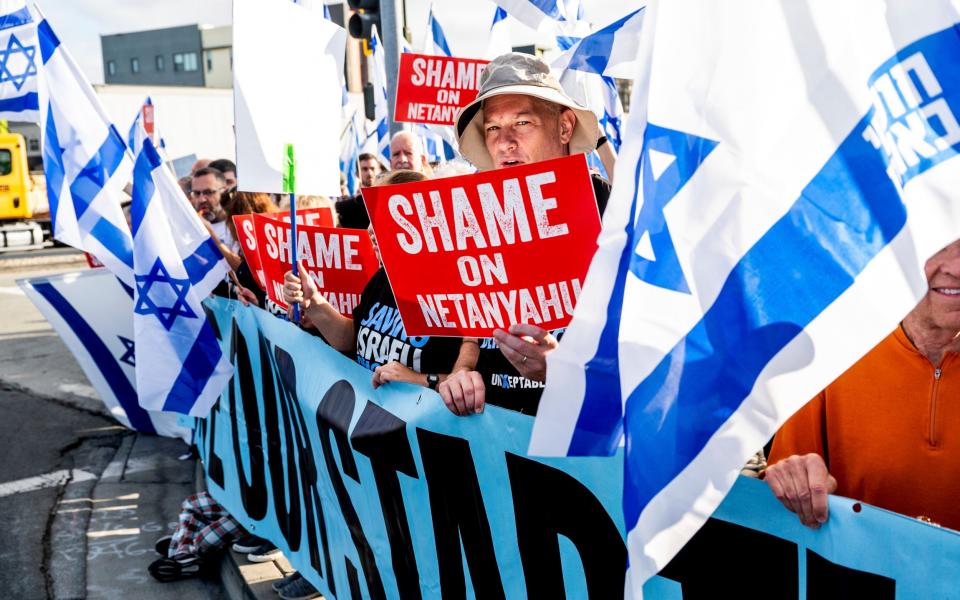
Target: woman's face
(373,238)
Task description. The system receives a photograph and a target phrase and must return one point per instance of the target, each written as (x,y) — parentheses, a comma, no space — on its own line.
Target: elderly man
(406,152)
(521,115)
(888,430)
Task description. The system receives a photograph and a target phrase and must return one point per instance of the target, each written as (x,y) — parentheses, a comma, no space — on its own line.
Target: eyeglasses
(207,193)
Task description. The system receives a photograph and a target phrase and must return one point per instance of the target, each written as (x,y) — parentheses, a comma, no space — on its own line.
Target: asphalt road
(47,448)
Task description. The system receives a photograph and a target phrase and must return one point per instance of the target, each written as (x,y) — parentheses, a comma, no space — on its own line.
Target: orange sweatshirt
(889,430)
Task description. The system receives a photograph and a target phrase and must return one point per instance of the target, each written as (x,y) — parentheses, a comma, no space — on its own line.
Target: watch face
(432,381)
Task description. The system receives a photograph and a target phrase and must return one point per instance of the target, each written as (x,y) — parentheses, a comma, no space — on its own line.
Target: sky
(80,23)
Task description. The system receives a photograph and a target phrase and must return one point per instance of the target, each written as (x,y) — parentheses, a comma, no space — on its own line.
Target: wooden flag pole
(289,187)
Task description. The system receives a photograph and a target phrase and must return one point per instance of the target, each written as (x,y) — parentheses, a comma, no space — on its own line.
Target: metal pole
(390,36)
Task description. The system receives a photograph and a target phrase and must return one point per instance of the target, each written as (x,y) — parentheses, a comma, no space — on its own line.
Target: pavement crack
(47,542)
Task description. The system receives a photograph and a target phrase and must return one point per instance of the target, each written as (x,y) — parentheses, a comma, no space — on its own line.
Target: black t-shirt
(381,336)
(352,213)
(505,386)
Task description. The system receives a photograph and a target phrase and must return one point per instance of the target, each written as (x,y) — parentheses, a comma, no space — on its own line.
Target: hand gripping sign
(321,217)
(340,261)
(467,255)
(431,89)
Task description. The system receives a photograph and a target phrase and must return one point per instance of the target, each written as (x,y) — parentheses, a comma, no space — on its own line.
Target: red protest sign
(321,216)
(248,245)
(467,255)
(431,89)
(340,261)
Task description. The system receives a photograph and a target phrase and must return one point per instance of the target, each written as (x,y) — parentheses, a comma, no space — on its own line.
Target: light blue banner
(385,494)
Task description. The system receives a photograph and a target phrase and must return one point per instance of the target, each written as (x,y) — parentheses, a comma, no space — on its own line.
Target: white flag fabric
(85,161)
(786,171)
(284,94)
(378,134)
(19,63)
(138,130)
(435,42)
(534,12)
(499,41)
(93,315)
(180,367)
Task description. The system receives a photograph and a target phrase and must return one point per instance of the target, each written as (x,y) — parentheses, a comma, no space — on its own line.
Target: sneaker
(282,583)
(163,545)
(174,569)
(248,544)
(301,589)
(265,553)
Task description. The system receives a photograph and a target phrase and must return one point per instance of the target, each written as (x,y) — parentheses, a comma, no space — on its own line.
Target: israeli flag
(93,315)
(85,161)
(755,244)
(19,63)
(499,42)
(181,367)
(349,155)
(435,42)
(138,130)
(610,51)
(534,12)
(439,141)
(378,134)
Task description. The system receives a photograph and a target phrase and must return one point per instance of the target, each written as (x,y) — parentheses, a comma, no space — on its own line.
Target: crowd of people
(883,432)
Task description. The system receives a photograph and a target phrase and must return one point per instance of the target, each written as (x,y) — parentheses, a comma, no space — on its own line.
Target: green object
(289,171)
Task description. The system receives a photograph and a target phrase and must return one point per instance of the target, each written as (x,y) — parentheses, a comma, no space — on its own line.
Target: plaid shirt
(204,526)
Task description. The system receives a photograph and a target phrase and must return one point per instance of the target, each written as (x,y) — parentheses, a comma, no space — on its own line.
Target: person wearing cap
(521,115)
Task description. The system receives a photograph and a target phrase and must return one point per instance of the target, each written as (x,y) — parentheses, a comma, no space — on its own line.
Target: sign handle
(289,187)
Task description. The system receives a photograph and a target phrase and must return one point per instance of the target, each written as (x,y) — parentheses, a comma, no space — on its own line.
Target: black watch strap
(433,381)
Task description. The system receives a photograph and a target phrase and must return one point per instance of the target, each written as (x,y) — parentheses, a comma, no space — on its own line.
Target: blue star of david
(15,46)
(128,357)
(669,159)
(151,305)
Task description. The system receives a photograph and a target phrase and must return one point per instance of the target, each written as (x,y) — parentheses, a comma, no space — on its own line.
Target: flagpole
(289,187)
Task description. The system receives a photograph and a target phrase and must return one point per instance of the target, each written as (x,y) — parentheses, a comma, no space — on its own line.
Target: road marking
(39,482)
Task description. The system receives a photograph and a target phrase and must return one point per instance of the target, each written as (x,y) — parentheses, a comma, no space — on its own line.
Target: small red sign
(431,89)
(470,254)
(340,261)
(248,245)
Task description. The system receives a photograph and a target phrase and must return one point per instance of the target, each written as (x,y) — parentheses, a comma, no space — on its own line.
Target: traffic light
(366,15)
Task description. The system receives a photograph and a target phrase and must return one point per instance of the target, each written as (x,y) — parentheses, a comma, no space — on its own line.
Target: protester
(406,152)
(206,188)
(369,168)
(184,183)
(885,431)
(521,115)
(203,528)
(229,170)
(200,163)
(372,334)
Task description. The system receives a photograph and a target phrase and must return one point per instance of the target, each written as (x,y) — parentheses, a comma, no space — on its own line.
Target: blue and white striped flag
(138,131)
(350,153)
(93,315)
(499,41)
(20,62)
(435,43)
(85,161)
(611,50)
(180,365)
(755,245)
(534,12)
(378,134)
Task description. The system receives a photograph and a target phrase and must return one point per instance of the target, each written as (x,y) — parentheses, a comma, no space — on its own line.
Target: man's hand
(245,296)
(394,371)
(463,392)
(802,483)
(299,289)
(526,347)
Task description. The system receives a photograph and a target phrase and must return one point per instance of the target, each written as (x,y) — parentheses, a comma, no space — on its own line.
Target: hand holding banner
(340,261)
(431,89)
(498,247)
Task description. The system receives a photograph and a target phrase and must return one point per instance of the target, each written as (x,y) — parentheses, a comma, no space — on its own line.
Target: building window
(209,56)
(111,67)
(33,145)
(134,65)
(185,61)
(158,61)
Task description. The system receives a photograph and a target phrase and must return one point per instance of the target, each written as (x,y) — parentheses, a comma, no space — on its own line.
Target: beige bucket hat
(516,73)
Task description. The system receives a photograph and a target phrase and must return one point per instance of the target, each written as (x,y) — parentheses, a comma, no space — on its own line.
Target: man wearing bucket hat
(521,115)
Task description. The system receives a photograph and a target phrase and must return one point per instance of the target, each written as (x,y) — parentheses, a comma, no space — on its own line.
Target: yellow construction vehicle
(23,210)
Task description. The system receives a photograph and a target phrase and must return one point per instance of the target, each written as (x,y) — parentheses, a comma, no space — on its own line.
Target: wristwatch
(433,381)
